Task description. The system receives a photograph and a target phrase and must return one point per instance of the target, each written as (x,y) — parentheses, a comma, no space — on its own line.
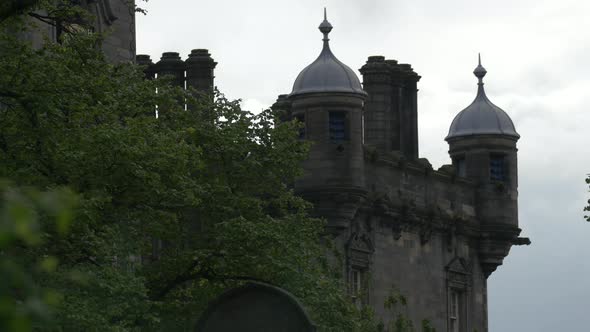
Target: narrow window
(356,285)
(454,311)
(301,119)
(363,127)
(498,169)
(338,127)
(460,167)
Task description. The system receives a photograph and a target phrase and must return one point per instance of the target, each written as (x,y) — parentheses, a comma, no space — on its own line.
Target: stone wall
(115,18)
(421,237)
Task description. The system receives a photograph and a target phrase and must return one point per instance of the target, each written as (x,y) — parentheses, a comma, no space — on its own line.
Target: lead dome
(327,73)
(482,117)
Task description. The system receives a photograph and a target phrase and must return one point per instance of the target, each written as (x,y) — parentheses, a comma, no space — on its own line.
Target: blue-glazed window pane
(498,169)
(338,125)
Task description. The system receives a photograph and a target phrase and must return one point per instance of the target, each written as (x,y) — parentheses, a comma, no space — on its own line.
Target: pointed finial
(480,71)
(325,27)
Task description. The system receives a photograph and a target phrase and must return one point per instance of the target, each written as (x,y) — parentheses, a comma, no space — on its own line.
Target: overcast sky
(536,53)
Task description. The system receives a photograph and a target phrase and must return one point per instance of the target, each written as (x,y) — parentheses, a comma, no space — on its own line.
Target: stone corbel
(520,241)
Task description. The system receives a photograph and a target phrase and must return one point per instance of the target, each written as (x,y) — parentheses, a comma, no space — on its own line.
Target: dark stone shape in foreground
(255,307)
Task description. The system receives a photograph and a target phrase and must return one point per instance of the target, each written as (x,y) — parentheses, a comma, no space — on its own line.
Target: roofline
(363,94)
(450,138)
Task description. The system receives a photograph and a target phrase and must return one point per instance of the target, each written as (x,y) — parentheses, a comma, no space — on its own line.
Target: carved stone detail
(459,273)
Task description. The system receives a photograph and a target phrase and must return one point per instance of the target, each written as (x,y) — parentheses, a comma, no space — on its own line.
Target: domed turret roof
(327,73)
(482,117)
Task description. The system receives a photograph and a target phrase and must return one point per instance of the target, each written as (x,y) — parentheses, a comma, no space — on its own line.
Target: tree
(172,210)
(22,213)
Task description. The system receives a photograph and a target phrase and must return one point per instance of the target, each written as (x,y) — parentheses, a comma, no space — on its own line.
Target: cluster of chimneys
(396,72)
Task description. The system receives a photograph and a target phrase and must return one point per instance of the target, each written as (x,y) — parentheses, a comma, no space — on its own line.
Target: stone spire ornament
(325,27)
(479,71)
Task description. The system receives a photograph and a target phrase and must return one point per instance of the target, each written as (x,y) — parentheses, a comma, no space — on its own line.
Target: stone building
(433,235)
(114,17)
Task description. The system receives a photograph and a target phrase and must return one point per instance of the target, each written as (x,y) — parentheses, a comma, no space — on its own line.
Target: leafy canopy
(170,211)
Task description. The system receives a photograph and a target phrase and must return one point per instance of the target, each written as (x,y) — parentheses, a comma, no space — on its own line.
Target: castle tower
(482,141)
(328,98)
(391,112)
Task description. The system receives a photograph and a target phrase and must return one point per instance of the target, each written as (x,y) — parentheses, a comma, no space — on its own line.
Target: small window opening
(460,167)
(498,168)
(338,127)
(356,285)
(455,311)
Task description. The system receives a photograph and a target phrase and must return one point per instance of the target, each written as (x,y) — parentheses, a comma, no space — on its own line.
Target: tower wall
(334,171)
(331,163)
(116,18)
(497,199)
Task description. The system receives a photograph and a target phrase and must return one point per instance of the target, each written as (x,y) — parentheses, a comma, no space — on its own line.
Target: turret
(328,98)
(482,141)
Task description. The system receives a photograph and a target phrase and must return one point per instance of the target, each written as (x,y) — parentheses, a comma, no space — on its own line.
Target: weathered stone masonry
(435,235)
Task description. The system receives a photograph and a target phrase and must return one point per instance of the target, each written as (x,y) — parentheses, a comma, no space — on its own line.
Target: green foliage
(27,216)
(397,303)
(171,211)
(427,326)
